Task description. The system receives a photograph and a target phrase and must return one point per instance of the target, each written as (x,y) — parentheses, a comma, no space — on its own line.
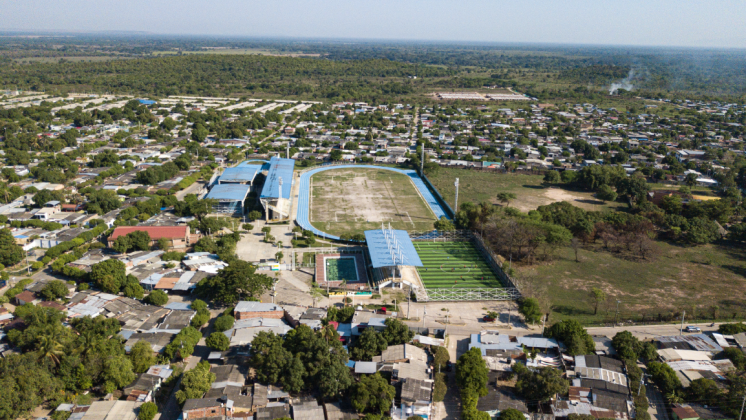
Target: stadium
(392,211)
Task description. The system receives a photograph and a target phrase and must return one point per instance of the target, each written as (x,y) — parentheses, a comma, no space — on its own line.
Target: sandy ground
(552,195)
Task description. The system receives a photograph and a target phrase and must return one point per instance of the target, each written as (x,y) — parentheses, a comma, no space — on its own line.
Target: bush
(54,289)
(157,297)
(37,265)
(247,226)
(173,256)
(147,411)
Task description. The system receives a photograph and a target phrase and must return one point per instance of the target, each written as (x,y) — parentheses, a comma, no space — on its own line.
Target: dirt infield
(358,199)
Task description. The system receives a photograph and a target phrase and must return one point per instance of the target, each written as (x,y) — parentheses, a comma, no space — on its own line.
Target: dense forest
(360,70)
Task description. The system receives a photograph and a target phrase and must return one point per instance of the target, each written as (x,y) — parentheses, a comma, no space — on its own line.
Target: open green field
(453,264)
(681,278)
(354,200)
(478,186)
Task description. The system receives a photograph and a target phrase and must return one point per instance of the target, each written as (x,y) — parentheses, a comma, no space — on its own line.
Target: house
(416,399)
(179,236)
(683,412)
(246,310)
(202,408)
(25,297)
(143,387)
(499,398)
(112,410)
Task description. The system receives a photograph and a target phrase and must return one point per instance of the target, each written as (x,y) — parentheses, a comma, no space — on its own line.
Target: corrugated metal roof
(229,192)
(390,248)
(240,173)
(279,168)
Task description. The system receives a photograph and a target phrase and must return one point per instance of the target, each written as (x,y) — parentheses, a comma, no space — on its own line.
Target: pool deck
(362,275)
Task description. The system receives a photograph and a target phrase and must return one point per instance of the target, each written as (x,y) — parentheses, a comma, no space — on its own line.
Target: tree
(369,344)
(575,245)
(49,347)
(224,323)
(665,377)
(598,297)
(235,282)
(701,231)
(440,358)
(634,188)
(506,197)
(122,244)
(471,372)
(254,215)
(511,414)
(444,224)
(142,356)
(218,341)
(157,297)
(316,294)
(335,155)
(373,393)
(108,275)
(103,201)
(672,204)
(531,310)
(396,332)
(552,177)
(606,193)
(573,335)
(147,411)
(334,378)
(195,382)
(540,384)
(10,252)
(117,373)
(736,356)
(55,289)
(691,179)
(164,244)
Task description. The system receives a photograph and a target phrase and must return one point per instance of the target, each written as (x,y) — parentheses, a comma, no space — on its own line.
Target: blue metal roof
(279,168)
(241,173)
(380,248)
(231,192)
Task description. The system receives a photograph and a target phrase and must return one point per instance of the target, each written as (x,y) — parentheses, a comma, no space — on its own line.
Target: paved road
(649,331)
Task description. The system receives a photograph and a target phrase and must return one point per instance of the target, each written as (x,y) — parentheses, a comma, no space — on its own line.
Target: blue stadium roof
(229,192)
(278,168)
(380,249)
(241,173)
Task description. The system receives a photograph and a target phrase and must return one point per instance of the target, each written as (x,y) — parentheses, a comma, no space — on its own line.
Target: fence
(439,197)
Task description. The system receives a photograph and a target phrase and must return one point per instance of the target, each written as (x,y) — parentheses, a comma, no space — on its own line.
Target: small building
(25,297)
(202,408)
(246,310)
(179,236)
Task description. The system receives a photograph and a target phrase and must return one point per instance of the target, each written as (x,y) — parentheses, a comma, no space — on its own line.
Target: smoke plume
(625,83)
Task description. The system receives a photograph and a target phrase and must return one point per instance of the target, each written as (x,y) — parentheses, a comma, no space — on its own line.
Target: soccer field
(454,264)
(353,200)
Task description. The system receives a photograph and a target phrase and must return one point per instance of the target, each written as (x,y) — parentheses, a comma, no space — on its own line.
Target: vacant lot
(355,200)
(478,186)
(692,279)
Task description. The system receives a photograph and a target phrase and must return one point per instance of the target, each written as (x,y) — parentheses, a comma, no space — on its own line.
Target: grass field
(681,278)
(359,199)
(453,264)
(478,186)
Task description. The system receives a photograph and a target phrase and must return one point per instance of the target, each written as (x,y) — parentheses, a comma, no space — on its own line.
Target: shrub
(147,411)
(218,341)
(224,323)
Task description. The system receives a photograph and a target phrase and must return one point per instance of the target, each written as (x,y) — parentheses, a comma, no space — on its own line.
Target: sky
(688,23)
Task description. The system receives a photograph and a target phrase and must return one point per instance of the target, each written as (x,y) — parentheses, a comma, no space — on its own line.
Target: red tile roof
(155,232)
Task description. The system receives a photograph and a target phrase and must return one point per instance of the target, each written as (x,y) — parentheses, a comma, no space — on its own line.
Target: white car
(692,329)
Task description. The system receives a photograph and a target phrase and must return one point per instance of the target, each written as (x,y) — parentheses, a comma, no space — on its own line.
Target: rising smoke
(625,83)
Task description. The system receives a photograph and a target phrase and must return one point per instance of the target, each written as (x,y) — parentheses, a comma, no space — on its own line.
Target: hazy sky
(710,23)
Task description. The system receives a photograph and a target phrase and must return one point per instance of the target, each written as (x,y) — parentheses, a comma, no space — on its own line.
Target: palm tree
(326,332)
(86,342)
(50,347)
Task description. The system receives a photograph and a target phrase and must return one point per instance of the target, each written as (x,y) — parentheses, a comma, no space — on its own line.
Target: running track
(303,196)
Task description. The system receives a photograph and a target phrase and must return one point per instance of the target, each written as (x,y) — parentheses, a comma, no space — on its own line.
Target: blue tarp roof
(279,168)
(146,101)
(241,173)
(232,192)
(380,253)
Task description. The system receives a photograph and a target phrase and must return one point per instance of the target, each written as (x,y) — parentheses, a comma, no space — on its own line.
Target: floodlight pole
(422,160)
(455,207)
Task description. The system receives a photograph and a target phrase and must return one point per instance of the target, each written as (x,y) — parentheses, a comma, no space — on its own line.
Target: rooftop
(390,248)
(279,168)
(229,192)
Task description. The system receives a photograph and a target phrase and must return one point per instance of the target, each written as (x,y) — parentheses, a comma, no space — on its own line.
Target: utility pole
(740,416)
(422,160)
(616,317)
(681,329)
(455,207)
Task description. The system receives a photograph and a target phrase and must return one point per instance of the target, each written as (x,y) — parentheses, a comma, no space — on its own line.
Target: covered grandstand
(276,193)
(245,173)
(393,257)
(230,198)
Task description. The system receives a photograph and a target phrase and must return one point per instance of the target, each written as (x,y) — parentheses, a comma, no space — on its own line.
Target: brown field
(355,200)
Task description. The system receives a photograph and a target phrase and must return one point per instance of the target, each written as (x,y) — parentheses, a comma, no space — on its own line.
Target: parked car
(449,366)
(487,318)
(692,329)
(382,311)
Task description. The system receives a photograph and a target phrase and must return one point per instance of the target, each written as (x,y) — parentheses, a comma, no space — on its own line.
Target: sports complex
(395,210)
